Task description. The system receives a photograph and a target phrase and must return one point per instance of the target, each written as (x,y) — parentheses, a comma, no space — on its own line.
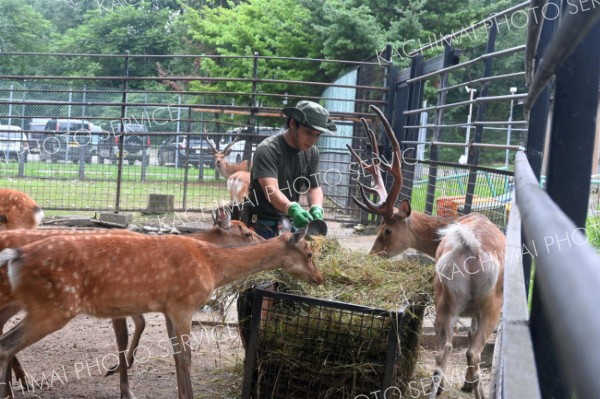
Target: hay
(353,277)
(320,351)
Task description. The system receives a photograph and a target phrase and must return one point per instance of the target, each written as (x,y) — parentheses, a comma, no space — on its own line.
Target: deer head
(225,168)
(18,211)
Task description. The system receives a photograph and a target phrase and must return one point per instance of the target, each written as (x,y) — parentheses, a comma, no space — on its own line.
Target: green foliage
(593,230)
(263,27)
(139,30)
(22,28)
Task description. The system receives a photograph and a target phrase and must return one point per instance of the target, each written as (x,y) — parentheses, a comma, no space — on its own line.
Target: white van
(13,143)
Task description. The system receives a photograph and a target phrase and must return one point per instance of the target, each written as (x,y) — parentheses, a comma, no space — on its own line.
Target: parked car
(237,150)
(35,139)
(135,144)
(71,139)
(13,144)
(174,152)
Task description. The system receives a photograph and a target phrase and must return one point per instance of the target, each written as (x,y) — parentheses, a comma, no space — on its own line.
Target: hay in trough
(353,277)
(308,347)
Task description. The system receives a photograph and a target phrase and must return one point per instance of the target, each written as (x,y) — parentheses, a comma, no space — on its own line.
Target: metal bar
(499,123)
(484,80)
(194,56)
(480,145)
(477,100)
(414,100)
(190,79)
(122,138)
(439,117)
(534,30)
(519,373)
(572,30)
(191,93)
(483,57)
(473,156)
(559,244)
(538,117)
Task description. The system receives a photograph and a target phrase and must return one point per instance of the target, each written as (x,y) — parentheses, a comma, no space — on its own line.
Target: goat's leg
(477,340)
(35,326)
(179,326)
(120,328)
(444,331)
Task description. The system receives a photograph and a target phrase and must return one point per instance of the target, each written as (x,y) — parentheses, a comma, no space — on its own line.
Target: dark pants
(266,228)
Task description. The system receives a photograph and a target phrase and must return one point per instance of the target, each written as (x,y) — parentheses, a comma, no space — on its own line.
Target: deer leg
(140,324)
(5,314)
(477,340)
(179,328)
(444,331)
(120,328)
(35,326)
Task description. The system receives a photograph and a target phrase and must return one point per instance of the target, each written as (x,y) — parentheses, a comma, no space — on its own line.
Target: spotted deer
(469,255)
(238,185)
(18,211)
(225,168)
(224,232)
(112,276)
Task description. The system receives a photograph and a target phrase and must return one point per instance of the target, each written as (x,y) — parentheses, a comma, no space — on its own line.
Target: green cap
(311,114)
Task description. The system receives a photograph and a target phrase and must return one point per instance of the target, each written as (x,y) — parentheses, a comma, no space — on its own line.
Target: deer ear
(222,218)
(294,238)
(2,219)
(404,208)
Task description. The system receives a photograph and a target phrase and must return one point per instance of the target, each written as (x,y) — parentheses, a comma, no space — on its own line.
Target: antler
(385,205)
(212,147)
(227,149)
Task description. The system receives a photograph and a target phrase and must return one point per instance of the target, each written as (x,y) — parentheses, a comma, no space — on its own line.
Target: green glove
(316,212)
(299,216)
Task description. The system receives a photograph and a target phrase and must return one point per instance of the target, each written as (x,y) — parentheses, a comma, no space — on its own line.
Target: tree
(265,27)
(22,29)
(140,29)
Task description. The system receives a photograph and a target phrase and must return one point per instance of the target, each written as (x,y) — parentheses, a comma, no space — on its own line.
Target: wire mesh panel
(311,348)
(492,190)
(134,141)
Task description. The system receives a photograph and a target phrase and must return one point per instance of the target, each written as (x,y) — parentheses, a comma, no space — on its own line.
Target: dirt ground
(71,363)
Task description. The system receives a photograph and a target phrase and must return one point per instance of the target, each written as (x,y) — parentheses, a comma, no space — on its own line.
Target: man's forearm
(315,196)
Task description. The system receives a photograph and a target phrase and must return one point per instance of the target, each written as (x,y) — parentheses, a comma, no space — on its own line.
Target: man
(287,165)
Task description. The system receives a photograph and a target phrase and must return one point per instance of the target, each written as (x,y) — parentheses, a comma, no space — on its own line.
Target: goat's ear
(404,208)
(222,218)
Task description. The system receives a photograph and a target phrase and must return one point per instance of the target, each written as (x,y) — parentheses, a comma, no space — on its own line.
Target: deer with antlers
(18,211)
(469,254)
(225,168)
(237,175)
(112,276)
(224,232)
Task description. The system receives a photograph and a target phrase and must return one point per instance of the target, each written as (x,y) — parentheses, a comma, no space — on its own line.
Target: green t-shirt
(296,171)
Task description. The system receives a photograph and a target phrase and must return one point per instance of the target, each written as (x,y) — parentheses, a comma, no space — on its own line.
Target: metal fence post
(439,118)
(538,116)
(122,132)
(473,158)
(415,99)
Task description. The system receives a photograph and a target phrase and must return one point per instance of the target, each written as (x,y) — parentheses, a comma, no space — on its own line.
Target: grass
(42,170)
(58,186)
